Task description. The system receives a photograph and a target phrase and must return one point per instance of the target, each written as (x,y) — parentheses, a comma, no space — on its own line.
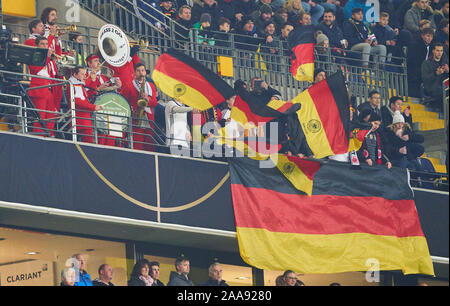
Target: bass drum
(113,119)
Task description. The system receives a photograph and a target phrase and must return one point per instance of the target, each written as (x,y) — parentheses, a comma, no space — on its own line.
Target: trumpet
(144,45)
(62,31)
(65,59)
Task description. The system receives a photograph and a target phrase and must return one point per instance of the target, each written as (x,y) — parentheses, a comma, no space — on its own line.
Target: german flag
(185,79)
(325,116)
(249,111)
(301,42)
(352,216)
(300,172)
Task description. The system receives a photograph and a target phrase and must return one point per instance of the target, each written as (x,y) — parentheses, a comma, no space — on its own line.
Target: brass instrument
(145,46)
(65,30)
(142,103)
(64,59)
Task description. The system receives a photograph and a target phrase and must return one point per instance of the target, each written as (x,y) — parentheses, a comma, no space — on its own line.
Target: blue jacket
(84,279)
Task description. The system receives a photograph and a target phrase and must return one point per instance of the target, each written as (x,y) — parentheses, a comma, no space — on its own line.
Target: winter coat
(430,79)
(416,55)
(214,283)
(355,32)
(179,280)
(333,32)
(414,15)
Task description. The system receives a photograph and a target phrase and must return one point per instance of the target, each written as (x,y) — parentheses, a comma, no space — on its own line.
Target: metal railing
(445,100)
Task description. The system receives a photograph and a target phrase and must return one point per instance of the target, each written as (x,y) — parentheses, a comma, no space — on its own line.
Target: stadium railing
(445,100)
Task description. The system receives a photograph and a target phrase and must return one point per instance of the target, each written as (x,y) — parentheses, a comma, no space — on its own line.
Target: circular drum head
(114,45)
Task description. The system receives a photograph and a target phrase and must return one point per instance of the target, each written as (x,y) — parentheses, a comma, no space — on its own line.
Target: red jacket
(131,93)
(100,79)
(83,107)
(126,72)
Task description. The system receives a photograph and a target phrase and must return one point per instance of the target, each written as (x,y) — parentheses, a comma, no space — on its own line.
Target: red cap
(91,57)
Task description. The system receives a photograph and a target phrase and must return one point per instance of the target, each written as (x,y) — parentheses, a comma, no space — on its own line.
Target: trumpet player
(95,80)
(49,17)
(136,91)
(43,98)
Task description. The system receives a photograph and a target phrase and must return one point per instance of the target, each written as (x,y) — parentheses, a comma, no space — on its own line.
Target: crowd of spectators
(341,26)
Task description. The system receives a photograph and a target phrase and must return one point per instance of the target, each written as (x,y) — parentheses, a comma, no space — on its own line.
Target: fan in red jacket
(95,82)
(142,129)
(83,107)
(126,72)
(43,98)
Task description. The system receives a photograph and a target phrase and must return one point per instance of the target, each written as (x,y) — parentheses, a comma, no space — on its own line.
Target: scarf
(147,280)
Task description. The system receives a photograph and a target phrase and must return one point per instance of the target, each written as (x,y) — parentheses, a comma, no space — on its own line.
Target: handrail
(445,100)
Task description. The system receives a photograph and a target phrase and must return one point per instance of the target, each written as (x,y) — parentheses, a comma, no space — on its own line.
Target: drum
(113,119)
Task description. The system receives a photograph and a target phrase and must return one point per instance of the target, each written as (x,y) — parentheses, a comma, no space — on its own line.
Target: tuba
(114,45)
(142,103)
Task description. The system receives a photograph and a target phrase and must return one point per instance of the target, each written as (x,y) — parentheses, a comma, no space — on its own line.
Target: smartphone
(258,85)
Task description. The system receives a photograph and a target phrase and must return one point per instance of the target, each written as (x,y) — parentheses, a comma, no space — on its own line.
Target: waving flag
(325,116)
(301,42)
(183,78)
(352,217)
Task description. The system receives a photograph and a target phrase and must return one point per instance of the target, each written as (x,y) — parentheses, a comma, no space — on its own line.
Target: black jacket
(179,280)
(333,32)
(136,282)
(214,283)
(355,32)
(416,55)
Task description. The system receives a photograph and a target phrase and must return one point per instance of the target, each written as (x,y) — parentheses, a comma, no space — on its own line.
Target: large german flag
(301,43)
(351,217)
(250,111)
(185,79)
(325,116)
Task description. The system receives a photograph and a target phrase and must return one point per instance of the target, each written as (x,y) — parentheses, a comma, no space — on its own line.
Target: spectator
(333,6)
(183,19)
(373,104)
(206,6)
(260,3)
(314,9)
(280,18)
(385,34)
(84,279)
(227,9)
(244,8)
(105,276)
(215,276)
(419,10)
(261,89)
(295,11)
(140,275)
(222,37)
(290,278)
(247,38)
(180,276)
(271,44)
(319,75)
(404,145)
(76,48)
(166,7)
(329,27)
(387,112)
(285,30)
(321,50)
(279,282)
(372,149)
(359,38)
(434,72)
(442,32)
(177,130)
(154,274)
(262,17)
(204,31)
(305,19)
(335,285)
(441,14)
(419,52)
(68,277)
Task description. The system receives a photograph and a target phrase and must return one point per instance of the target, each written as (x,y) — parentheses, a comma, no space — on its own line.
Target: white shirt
(177,128)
